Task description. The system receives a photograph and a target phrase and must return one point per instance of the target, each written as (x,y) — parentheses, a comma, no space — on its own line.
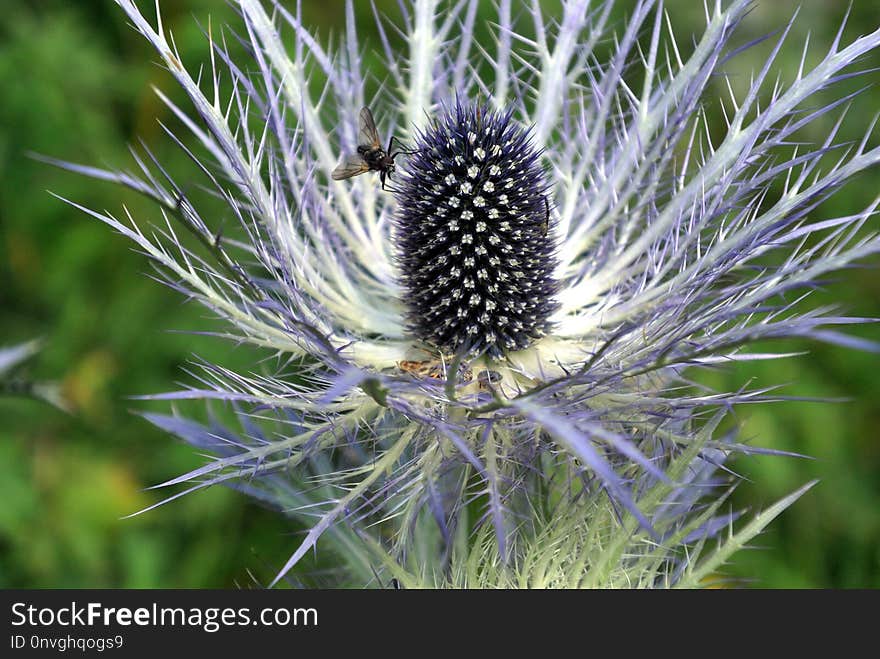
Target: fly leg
(406,152)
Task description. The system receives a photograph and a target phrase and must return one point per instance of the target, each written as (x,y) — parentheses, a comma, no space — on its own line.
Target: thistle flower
(499,347)
(476,260)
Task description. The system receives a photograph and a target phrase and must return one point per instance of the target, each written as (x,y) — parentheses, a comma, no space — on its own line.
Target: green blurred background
(75,82)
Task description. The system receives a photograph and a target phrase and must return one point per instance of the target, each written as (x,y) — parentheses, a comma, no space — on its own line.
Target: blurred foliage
(76,84)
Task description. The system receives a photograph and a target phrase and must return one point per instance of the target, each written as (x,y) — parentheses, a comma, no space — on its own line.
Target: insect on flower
(370,155)
(432,368)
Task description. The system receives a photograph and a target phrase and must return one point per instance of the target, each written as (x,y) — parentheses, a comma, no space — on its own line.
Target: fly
(370,156)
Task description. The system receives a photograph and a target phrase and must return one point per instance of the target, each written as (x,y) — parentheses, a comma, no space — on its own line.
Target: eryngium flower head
(473,234)
(679,244)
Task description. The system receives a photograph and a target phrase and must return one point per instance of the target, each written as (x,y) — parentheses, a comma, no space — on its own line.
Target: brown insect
(432,368)
(429,368)
(488,378)
(370,155)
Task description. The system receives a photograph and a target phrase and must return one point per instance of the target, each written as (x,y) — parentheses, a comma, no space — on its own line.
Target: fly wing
(350,166)
(368,136)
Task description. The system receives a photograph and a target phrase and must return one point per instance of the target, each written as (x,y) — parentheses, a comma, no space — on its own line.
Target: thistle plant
(487,373)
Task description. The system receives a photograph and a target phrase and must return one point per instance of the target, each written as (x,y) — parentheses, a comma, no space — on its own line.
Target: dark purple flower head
(475,246)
